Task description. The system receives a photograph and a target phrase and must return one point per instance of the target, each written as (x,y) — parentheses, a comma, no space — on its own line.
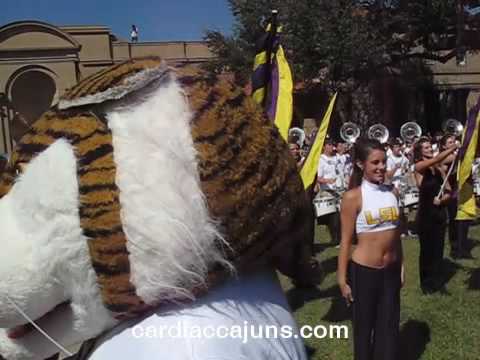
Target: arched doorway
(31,94)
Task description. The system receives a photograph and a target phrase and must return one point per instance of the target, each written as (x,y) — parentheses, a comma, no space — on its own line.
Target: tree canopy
(347,45)
(335,41)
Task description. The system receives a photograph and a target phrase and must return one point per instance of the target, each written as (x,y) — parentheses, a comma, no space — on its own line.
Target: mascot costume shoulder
(148,203)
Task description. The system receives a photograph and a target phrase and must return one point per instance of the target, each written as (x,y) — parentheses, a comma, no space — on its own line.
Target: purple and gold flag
(467,209)
(272,83)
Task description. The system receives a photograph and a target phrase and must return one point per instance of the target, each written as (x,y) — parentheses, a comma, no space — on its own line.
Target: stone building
(39,61)
(438,92)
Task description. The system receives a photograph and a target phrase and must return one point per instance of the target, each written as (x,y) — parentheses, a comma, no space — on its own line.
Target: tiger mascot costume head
(145,185)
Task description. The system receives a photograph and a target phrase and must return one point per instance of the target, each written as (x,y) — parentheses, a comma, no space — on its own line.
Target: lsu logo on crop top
(379,209)
(386,214)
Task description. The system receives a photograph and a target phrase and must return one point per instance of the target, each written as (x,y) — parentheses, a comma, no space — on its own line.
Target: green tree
(344,45)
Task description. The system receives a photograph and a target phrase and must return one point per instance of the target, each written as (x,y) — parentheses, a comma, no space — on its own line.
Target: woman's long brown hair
(361,151)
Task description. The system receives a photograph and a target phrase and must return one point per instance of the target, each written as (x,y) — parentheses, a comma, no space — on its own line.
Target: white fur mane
(172,240)
(45,259)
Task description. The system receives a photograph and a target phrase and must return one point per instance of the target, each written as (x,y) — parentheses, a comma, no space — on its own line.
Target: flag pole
(271,41)
(442,188)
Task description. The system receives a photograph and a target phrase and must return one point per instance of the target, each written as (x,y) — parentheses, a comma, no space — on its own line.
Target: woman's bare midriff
(378,249)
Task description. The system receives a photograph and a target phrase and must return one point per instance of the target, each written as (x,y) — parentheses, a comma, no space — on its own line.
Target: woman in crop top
(432,212)
(375,272)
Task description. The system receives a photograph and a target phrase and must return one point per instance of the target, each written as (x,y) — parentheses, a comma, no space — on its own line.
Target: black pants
(432,242)
(333,224)
(334,227)
(452,229)
(462,246)
(376,311)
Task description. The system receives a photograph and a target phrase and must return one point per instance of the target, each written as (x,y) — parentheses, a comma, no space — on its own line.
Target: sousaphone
(452,126)
(299,134)
(350,132)
(409,131)
(378,132)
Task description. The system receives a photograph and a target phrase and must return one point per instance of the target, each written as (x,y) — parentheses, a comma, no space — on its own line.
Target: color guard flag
(310,166)
(272,83)
(467,209)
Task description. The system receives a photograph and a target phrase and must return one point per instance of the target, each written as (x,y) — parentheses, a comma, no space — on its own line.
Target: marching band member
(408,151)
(431,215)
(296,153)
(343,165)
(397,165)
(397,175)
(328,167)
(328,181)
(437,143)
(388,149)
(375,272)
(446,142)
(475,168)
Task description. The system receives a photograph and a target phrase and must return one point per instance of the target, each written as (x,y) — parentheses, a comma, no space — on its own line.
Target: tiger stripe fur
(249,180)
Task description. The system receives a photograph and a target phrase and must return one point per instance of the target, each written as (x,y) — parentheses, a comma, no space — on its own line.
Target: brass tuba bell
(378,132)
(409,131)
(350,132)
(297,133)
(452,126)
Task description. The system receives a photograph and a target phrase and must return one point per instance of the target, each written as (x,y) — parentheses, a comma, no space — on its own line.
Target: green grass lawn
(439,326)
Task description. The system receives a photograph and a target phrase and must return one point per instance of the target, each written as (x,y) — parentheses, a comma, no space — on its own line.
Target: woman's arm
(348,215)
(449,159)
(447,190)
(443,170)
(423,164)
(418,178)
(444,199)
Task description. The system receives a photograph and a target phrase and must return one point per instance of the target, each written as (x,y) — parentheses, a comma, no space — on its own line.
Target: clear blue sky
(156,19)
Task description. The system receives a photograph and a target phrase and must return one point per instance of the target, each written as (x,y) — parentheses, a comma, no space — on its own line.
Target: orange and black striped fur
(247,176)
